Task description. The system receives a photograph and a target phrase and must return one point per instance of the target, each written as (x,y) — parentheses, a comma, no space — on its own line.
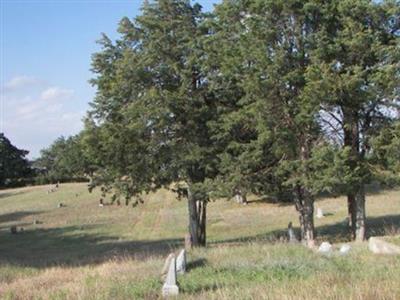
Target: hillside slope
(83,251)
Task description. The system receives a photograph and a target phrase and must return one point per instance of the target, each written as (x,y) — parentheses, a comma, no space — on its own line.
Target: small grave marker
(170,287)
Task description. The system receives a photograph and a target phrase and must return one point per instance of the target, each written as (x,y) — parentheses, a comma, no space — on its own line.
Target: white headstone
(167,263)
(320,213)
(378,246)
(170,288)
(325,247)
(345,249)
(291,234)
(181,262)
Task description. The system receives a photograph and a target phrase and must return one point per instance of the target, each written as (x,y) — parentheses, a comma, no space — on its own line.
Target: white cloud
(56,93)
(20,82)
(34,115)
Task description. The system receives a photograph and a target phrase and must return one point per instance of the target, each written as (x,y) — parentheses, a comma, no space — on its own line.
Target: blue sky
(45,55)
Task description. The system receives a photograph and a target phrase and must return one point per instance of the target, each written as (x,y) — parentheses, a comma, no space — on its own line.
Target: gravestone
(188,242)
(320,213)
(167,263)
(325,248)
(378,246)
(101,204)
(291,234)
(13,229)
(60,205)
(345,249)
(170,287)
(181,262)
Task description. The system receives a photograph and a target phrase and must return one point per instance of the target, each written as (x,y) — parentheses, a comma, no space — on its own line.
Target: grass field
(83,251)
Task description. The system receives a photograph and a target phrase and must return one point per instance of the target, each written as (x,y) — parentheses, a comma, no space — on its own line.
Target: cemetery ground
(83,251)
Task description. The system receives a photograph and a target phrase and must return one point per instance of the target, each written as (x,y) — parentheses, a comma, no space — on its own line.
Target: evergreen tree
(355,73)
(13,164)
(148,126)
(268,122)
(386,154)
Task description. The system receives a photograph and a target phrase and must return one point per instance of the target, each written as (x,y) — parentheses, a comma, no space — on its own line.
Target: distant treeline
(61,162)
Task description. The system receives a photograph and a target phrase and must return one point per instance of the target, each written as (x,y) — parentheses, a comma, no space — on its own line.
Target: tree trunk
(197,220)
(355,198)
(359,212)
(304,203)
(351,213)
(308,217)
(202,217)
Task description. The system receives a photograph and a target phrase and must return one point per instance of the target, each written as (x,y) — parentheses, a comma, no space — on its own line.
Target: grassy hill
(83,251)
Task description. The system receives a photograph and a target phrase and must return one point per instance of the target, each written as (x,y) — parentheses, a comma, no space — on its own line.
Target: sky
(45,56)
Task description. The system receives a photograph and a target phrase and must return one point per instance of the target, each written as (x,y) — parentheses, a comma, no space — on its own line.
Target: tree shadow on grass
(269,200)
(269,237)
(376,226)
(336,233)
(197,263)
(16,216)
(4,194)
(74,246)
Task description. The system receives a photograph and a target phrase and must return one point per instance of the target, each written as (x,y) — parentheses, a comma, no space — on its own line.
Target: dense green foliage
(14,167)
(386,154)
(64,160)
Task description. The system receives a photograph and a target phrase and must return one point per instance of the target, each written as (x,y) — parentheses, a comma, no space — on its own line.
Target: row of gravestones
(375,245)
(325,247)
(173,266)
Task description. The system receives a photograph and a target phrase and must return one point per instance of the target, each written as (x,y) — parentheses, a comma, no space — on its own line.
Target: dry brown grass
(84,251)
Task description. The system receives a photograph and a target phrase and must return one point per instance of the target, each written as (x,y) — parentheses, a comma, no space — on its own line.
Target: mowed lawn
(83,251)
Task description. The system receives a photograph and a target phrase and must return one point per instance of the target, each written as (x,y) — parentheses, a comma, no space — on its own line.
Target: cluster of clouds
(34,113)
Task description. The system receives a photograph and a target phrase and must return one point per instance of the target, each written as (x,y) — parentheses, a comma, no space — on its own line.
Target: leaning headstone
(345,249)
(320,213)
(291,234)
(170,287)
(167,263)
(325,248)
(188,242)
(181,262)
(378,246)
